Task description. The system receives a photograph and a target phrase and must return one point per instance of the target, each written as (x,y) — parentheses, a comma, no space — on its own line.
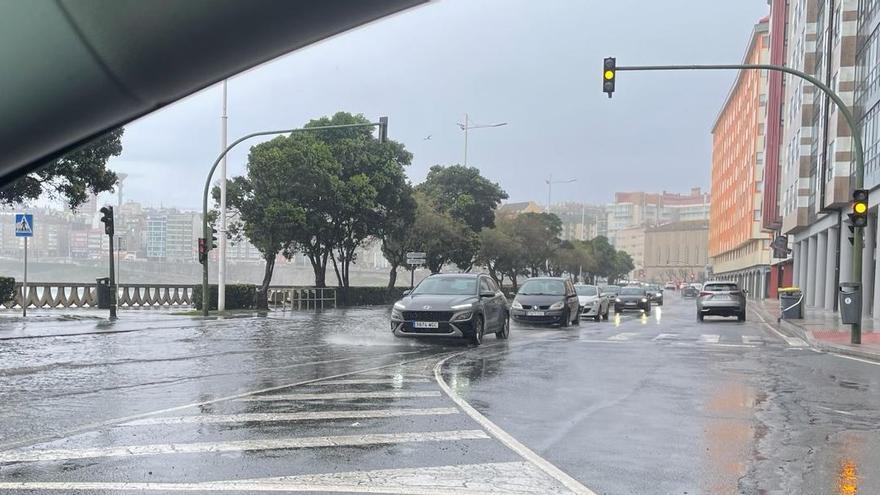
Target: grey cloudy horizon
(534,65)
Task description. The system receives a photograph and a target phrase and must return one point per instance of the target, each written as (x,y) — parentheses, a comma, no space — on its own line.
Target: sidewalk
(823,330)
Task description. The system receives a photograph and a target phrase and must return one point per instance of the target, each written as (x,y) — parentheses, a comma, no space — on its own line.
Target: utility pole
(221,262)
(550,183)
(610,75)
(466,126)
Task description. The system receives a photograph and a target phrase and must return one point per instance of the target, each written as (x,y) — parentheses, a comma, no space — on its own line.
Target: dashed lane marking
(709,338)
(507,478)
(342,395)
(240,445)
(623,336)
(665,336)
(295,416)
(752,339)
(513,444)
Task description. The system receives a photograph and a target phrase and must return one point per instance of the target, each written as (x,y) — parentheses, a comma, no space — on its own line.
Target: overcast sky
(535,65)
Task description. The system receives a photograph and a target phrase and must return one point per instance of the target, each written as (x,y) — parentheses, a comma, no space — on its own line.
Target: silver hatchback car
(722,299)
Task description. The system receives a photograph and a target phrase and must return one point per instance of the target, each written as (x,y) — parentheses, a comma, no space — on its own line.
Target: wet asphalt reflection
(643,403)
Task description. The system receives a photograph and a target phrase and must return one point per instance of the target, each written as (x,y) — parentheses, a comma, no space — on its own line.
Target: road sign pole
(112,282)
(24,290)
(412,275)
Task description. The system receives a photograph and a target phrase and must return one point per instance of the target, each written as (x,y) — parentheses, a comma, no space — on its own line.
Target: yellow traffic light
(860,207)
(609,74)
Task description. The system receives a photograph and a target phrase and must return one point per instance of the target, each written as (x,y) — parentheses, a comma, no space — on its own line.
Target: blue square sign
(24,225)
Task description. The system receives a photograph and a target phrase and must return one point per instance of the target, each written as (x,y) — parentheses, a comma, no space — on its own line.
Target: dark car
(722,299)
(452,305)
(690,291)
(632,298)
(655,294)
(610,290)
(546,300)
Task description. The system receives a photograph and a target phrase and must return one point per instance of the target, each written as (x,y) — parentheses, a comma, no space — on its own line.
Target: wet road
(331,402)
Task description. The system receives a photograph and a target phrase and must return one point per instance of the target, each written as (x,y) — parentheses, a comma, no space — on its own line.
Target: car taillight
(704,293)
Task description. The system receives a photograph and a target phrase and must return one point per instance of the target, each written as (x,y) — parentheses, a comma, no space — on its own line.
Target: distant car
(461,305)
(546,300)
(689,291)
(632,298)
(669,286)
(655,294)
(610,290)
(722,299)
(593,304)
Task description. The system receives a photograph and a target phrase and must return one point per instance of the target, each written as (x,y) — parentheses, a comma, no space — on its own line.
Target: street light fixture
(549,181)
(468,125)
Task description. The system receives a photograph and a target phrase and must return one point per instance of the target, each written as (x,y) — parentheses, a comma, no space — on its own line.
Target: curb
(794,330)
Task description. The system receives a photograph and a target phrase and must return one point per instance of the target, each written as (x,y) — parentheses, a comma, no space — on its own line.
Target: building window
(757,217)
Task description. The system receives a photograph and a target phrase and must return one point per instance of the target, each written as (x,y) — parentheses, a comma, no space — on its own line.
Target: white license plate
(426,324)
(534,313)
(630,304)
(721,297)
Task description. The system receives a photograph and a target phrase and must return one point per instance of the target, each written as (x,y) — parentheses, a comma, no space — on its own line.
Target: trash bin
(849,298)
(103,293)
(791,303)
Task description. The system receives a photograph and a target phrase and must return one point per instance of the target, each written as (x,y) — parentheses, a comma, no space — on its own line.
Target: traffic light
(609,75)
(213,240)
(780,246)
(860,208)
(383,129)
(107,219)
(203,253)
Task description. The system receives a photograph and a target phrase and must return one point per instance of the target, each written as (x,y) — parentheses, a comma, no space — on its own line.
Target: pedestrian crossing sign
(24,225)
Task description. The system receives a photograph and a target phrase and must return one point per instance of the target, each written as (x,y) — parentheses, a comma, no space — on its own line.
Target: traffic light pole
(858,232)
(112,282)
(383,132)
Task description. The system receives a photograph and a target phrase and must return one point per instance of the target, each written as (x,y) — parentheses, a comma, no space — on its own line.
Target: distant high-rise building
(644,209)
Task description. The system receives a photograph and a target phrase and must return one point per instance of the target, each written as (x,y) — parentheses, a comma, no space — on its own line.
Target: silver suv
(722,299)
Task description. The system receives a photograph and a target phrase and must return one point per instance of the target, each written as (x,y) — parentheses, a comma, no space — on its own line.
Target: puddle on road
(728,436)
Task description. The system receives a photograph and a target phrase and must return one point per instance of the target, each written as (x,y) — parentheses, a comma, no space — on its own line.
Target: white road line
(502,478)
(505,438)
(852,358)
(752,339)
(373,381)
(709,338)
(342,395)
(296,416)
(735,345)
(665,336)
(623,336)
(240,445)
(791,341)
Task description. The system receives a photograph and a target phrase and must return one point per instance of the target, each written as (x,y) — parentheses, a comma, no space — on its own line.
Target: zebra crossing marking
(341,396)
(294,416)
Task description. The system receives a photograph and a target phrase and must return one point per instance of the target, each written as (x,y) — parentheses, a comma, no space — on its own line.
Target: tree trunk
(263,295)
(336,270)
(392,276)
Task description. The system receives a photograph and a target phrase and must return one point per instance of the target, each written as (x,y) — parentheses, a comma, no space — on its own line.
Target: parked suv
(722,299)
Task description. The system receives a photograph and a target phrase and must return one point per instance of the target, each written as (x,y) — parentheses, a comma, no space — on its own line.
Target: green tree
(500,252)
(464,194)
(395,233)
(573,258)
(441,237)
(621,265)
(72,177)
(371,187)
(538,236)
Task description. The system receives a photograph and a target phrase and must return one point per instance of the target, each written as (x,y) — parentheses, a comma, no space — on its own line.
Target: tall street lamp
(467,125)
(549,181)
(382,124)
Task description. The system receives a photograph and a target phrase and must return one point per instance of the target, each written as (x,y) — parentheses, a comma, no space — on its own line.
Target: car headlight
(644,299)
(617,299)
(557,305)
(516,305)
(399,305)
(396,314)
(461,307)
(463,316)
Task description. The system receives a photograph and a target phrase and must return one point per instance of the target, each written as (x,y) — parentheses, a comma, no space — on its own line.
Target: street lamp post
(467,125)
(858,151)
(383,132)
(549,181)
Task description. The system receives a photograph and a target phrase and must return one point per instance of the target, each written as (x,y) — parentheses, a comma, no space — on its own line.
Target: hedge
(368,296)
(7,289)
(238,296)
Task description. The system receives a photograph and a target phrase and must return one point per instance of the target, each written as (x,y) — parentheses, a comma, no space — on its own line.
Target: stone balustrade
(84,295)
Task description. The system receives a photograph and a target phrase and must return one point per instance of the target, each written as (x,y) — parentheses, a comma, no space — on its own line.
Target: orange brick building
(738,248)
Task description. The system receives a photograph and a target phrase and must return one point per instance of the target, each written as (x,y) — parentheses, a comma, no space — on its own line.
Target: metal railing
(291,297)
